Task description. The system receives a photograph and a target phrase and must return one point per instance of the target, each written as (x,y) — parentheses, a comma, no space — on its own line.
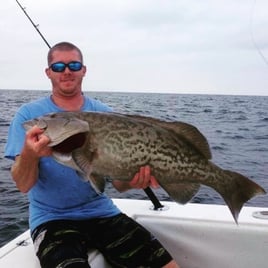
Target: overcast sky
(181,46)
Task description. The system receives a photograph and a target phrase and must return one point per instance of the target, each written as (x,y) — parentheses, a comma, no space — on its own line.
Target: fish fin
(243,189)
(82,160)
(67,160)
(181,192)
(186,131)
(97,182)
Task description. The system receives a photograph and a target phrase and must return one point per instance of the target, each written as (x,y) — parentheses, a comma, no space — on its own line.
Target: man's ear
(84,70)
(47,71)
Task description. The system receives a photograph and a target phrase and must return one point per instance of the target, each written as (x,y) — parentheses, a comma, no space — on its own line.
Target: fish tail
(242,189)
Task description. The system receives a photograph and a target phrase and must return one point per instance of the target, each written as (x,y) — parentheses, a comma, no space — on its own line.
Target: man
(67,217)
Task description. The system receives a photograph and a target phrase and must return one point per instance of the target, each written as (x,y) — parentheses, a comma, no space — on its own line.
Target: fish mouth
(71,143)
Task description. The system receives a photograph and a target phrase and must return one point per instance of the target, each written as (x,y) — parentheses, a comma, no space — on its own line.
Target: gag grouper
(117,145)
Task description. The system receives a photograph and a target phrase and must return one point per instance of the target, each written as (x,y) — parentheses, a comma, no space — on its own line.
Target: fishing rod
(148,190)
(34,25)
(252,33)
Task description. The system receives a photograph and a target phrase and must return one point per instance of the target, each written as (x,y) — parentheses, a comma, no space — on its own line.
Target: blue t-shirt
(59,192)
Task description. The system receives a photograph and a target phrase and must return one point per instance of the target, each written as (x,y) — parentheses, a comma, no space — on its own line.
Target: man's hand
(36,143)
(141,180)
(25,169)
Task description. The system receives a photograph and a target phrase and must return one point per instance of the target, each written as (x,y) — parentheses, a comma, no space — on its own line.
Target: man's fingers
(143,179)
(37,142)
(154,182)
(134,182)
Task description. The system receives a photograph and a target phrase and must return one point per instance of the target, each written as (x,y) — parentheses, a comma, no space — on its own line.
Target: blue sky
(176,46)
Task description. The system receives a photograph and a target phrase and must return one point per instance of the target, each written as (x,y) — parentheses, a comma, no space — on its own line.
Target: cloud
(197,46)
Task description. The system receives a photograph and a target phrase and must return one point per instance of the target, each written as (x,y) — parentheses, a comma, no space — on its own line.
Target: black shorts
(122,241)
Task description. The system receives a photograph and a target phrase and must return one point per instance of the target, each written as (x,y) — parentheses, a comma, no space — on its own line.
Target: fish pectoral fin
(97,182)
(82,161)
(181,192)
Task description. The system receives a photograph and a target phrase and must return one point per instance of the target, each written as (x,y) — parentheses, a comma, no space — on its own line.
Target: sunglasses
(60,67)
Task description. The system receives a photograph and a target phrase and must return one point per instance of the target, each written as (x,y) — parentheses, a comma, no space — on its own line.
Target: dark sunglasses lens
(58,67)
(75,66)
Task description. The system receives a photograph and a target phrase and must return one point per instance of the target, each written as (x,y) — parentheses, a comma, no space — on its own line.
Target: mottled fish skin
(117,145)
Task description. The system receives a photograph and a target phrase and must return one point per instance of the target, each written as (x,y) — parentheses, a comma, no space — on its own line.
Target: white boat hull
(197,236)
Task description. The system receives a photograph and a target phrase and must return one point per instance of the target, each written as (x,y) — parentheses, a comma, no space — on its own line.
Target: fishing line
(34,25)
(252,33)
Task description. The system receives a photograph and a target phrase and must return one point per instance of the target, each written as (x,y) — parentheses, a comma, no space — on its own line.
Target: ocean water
(236,128)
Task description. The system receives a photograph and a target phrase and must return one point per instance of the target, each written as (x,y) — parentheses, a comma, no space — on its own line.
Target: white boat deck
(197,235)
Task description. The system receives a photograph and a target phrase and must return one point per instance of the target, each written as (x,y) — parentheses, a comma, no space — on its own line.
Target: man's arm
(24,171)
